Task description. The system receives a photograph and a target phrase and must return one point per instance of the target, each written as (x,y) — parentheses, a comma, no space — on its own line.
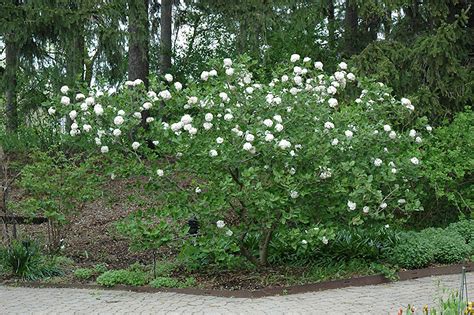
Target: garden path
(377,299)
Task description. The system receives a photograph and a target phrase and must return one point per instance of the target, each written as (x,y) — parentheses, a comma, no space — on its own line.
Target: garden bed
(268,291)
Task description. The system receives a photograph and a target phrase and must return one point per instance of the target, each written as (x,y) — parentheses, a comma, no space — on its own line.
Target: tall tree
(351,28)
(10,79)
(139,38)
(165,35)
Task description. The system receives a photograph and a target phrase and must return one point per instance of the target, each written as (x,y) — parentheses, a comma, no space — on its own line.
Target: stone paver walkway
(378,300)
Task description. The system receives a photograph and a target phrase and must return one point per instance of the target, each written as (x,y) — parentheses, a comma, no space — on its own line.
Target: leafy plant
(413,251)
(84,273)
(448,247)
(168,282)
(24,259)
(123,276)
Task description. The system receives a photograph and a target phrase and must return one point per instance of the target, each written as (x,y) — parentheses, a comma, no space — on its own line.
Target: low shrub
(168,282)
(24,259)
(449,247)
(87,273)
(123,276)
(413,251)
(465,228)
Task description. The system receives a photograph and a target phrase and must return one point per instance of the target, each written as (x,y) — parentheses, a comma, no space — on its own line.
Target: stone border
(270,291)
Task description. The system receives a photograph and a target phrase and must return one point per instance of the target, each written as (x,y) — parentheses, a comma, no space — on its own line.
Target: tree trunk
(10,79)
(331,25)
(138,40)
(165,35)
(351,28)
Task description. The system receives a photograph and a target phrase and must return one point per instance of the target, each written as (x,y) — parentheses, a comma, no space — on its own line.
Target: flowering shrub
(302,153)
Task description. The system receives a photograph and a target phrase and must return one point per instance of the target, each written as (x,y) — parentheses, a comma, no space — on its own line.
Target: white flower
(228,117)
(87,128)
(392,135)
(351,76)
(90,101)
(192,100)
(387,128)
(334,141)
(277,118)
(377,162)
(297,70)
(343,66)
(121,113)
(247,146)
(137,82)
(186,119)
(328,125)
(325,174)
(405,101)
(269,137)
(410,107)
(349,134)
(277,100)
(80,97)
(219,140)
(249,90)
(165,94)
(99,94)
(135,145)
(418,140)
(168,77)
(387,226)
(213,73)
(64,89)
(294,58)
(111,91)
(294,91)
(98,141)
(51,111)
(401,201)
(150,120)
(129,83)
(212,153)
(284,144)
(178,86)
(365,209)
(220,224)
(104,149)
(412,133)
(229,233)
(304,242)
(249,137)
(98,110)
(117,132)
(118,120)
(155,142)
(227,62)
(208,117)
(351,205)
(224,96)
(298,80)
(84,107)
(383,205)
(306,59)
(294,194)
(65,100)
(268,123)
(160,172)
(415,161)
(332,102)
(339,75)
(279,127)
(318,65)
(137,115)
(151,94)
(204,75)
(429,128)
(325,240)
(207,125)
(394,170)
(284,78)
(331,90)
(229,71)
(198,190)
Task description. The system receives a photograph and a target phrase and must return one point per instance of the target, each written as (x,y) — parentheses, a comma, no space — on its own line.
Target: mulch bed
(271,291)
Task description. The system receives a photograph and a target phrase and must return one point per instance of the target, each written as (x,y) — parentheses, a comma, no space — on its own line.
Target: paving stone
(377,300)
